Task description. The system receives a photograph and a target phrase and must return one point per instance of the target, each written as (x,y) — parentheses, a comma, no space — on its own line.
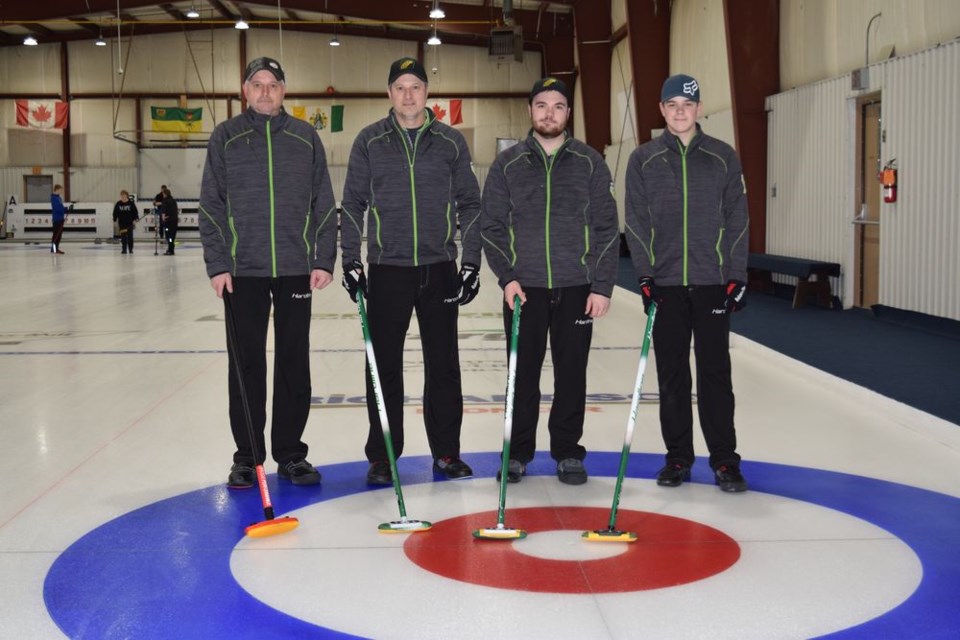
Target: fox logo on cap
(691,88)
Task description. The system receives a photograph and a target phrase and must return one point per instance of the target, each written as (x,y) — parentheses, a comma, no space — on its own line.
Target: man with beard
(550,231)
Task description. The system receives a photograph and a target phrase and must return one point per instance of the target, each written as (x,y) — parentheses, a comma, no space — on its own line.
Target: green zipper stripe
(411,161)
(273,230)
(683,160)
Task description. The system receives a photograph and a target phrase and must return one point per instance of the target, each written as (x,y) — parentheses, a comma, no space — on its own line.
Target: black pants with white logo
(697,311)
(558,313)
(394,294)
(291,298)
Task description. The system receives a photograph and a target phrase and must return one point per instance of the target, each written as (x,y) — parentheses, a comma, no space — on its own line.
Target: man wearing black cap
(269,229)
(550,235)
(414,176)
(686,219)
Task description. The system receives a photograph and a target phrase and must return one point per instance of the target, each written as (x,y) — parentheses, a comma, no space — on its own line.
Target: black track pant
(291,299)
(559,313)
(394,294)
(126,238)
(57,234)
(697,311)
(172,236)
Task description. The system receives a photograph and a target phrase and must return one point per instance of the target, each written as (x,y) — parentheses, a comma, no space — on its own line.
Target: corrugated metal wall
(810,175)
(93,184)
(920,233)
(812,171)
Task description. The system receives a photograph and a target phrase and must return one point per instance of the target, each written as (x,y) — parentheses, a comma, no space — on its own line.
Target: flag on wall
(42,114)
(176,119)
(447,111)
(300,113)
(336,118)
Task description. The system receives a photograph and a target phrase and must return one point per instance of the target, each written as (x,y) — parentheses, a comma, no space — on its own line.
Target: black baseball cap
(682,86)
(550,84)
(406,65)
(264,64)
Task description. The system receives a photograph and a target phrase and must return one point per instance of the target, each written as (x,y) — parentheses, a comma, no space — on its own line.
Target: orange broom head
(609,535)
(271,527)
(405,526)
(499,533)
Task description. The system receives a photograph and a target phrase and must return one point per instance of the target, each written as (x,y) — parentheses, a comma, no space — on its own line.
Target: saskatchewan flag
(176,119)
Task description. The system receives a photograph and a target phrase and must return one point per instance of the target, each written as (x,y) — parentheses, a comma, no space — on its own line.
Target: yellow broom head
(271,527)
(499,533)
(405,526)
(609,535)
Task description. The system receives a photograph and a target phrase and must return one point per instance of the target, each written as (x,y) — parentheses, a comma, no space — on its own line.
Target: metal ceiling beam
(595,53)
(172,11)
(753,51)
(648,28)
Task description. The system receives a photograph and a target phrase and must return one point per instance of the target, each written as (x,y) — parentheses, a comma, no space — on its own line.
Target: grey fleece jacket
(686,211)
(266,202)
(551,221)
(413,191)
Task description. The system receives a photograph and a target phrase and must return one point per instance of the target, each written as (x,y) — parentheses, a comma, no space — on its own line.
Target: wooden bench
(765,264)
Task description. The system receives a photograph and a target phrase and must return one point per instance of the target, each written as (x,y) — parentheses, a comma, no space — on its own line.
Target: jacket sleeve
(356,199)
(604,231)
(736,241)
(467,193)
(637,220)
(213,223)
(116,211)
(495,225)
(136,212)
(324,212)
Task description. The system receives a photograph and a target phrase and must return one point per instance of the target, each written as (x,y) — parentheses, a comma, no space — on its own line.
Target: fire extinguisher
(888,178)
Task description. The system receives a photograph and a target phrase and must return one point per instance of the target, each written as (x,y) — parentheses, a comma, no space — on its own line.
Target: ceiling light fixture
(100,42)
(241,24)
(434,40)
(334,41)
(192,13)
(437,13)
(30,41)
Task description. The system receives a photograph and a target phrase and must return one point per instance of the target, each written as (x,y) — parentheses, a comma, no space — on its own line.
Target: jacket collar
(258,120)
(673,143)
(431,118)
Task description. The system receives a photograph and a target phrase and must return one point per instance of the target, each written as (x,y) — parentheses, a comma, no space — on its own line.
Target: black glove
(736,291)
(354,279)
(469,284)
(649,293)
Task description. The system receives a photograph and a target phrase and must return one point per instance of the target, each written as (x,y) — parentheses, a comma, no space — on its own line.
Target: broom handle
(634,406)
(381,406)
(508,409)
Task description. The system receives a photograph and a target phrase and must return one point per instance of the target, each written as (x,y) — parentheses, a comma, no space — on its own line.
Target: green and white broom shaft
(381,407)
(508,409)
(634,408)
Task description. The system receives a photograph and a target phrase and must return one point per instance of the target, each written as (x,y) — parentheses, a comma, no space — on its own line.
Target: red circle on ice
(668,552)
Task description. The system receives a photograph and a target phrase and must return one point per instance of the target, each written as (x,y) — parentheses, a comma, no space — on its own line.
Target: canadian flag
(448,111)
(42,114)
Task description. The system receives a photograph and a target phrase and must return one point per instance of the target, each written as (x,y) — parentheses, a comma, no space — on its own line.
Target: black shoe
(299,472)
(452,468)
(379,473)
(515,471)
(673,474)
(729,478)
(571,471)
(123,252)
(242,476)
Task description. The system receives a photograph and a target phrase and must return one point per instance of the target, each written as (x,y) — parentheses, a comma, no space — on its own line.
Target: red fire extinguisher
(888,178)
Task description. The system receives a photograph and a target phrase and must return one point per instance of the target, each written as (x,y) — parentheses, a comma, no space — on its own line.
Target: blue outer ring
(163,571)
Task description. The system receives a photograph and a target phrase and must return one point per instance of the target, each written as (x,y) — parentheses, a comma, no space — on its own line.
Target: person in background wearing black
(125,214)
(58,216)
(158,210)
(171,220)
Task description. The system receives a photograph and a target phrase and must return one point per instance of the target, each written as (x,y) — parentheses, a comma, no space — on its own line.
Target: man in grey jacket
(414,176)
(686,219)
(550,235)
(269,230)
